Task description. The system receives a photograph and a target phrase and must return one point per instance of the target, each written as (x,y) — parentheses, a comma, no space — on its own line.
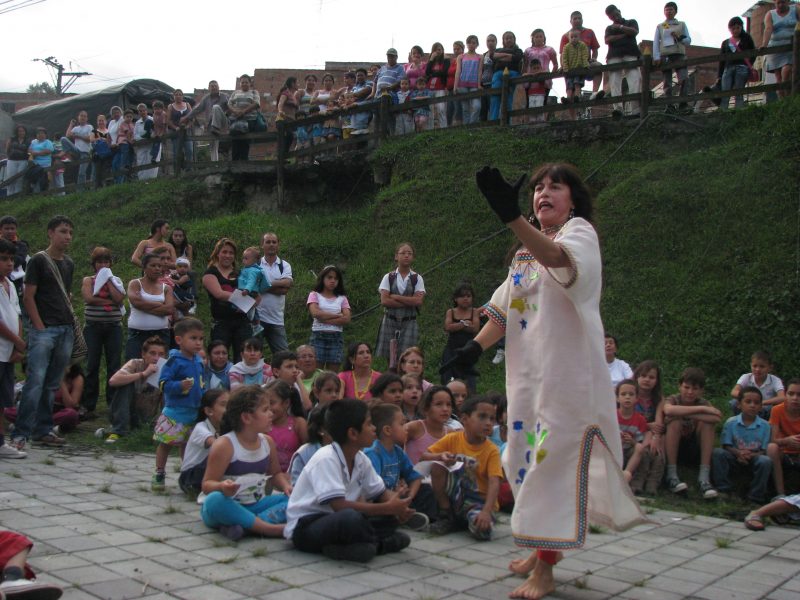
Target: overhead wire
(21,5)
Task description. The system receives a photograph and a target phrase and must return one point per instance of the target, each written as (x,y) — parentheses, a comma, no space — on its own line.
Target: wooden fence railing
(383,113)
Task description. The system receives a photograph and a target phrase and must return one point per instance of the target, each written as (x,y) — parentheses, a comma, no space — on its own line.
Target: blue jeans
(49,351)
(120,162)
(83,168)
(275,336)
(187,153)
(218,510)
(494,103)
(100,337)
(360,120)
(722,461)
(734,77)
(137,338)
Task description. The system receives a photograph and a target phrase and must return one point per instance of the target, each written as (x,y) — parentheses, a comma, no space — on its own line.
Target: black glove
(501,195)
(464,360)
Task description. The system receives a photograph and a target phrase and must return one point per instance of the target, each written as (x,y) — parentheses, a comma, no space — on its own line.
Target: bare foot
(523,566)
(538,585)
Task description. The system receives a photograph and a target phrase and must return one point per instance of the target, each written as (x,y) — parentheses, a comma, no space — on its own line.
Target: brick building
(11,102)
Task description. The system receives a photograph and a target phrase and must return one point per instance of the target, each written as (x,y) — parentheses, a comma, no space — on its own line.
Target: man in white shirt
(273,302)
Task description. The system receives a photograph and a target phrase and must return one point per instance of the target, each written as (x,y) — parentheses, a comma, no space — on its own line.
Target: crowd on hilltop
(212,393)
(133,137)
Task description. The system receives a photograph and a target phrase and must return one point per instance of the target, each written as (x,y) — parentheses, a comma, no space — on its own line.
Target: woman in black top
(220,280)
(733,74)
(17,152)
(509,56)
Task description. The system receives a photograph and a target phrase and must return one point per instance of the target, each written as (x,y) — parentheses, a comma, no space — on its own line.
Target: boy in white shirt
(617,368)
(326,513)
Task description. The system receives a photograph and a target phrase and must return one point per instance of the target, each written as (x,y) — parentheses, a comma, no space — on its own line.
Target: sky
(184,44)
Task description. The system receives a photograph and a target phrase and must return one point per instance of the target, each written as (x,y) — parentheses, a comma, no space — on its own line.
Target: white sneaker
(499,357)
(192,310)
(100,433)
(57,430)
(9,451)
(25,588)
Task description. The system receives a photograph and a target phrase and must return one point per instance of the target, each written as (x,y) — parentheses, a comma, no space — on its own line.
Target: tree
(43,88)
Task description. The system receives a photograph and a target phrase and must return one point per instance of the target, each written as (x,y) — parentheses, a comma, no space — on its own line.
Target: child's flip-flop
(754,522)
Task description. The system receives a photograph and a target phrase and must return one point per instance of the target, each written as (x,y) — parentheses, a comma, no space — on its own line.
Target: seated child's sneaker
(444,523)
(361,552)
(10,451)
(394,543)
(676,486)
(499,356)
(418,522)
(709,493)
(232,532)
(26,588)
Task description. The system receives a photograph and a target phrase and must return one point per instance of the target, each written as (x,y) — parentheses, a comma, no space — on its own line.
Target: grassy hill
(699,230)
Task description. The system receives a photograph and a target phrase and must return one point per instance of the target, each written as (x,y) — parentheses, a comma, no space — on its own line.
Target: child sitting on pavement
(690,422)
(744,442)
(784,450)
(391,462)
(331,509)
(468,494)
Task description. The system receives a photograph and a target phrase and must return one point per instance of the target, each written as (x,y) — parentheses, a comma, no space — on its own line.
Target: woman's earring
(571,214)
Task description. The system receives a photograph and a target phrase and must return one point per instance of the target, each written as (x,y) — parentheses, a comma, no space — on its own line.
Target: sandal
(754,522)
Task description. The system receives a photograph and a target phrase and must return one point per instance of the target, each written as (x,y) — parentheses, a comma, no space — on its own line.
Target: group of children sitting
(762,438)
(334,498)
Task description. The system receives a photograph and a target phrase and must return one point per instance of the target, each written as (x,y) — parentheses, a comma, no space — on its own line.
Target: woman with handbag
(734,74)
(245,116)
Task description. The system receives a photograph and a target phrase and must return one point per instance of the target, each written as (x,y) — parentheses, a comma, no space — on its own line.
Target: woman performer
(564,453)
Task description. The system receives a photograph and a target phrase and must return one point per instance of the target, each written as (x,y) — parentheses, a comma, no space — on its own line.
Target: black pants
(485,101)
(191,480)
(345,527)
(233,333)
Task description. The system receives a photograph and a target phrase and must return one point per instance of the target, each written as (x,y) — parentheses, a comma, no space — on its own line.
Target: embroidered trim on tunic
(572,267)
(581,522)
(495,313)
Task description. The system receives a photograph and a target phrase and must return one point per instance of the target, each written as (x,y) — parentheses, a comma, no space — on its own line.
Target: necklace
(552,230)
(360,394)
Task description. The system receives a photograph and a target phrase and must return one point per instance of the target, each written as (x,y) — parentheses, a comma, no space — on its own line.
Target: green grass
(698,229)
(723,543)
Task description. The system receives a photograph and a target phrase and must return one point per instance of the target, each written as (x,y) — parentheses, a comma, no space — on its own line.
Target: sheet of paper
(242,302)
(424,467)
(153,379)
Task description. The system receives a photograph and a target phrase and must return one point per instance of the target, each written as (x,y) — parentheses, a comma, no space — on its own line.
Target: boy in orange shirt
(785,447)
(469,493)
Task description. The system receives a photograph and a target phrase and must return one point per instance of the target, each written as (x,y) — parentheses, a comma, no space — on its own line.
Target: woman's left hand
(503,197)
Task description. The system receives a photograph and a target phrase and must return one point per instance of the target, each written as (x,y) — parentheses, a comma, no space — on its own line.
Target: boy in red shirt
(785,447)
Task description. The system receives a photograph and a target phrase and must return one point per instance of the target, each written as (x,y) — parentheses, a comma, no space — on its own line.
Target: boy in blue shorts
(181,382)
(744,440)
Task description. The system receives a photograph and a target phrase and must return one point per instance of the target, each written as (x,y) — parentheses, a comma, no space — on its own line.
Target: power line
(23,4)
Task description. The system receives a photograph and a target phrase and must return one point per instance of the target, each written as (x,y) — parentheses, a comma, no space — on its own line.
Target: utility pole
(61,87)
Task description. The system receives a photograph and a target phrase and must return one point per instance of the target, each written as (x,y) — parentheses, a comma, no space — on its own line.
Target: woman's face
(736,30)
(307,361)
(101,121)
(328,83)
(153,269)
(412,363)
(491,42)
(226,256)
(509,40)
(362,358)
(458,49)
(219,357)
(20,132)
(311,83)
(537,38)
(244,84)
(101,263)
(178,236)
(177,97)
(416,55)
(552,202)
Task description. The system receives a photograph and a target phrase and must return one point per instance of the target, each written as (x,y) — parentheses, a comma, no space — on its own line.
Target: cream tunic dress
(564,449)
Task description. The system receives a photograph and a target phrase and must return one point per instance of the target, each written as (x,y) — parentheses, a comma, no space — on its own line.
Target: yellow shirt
(486,454)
